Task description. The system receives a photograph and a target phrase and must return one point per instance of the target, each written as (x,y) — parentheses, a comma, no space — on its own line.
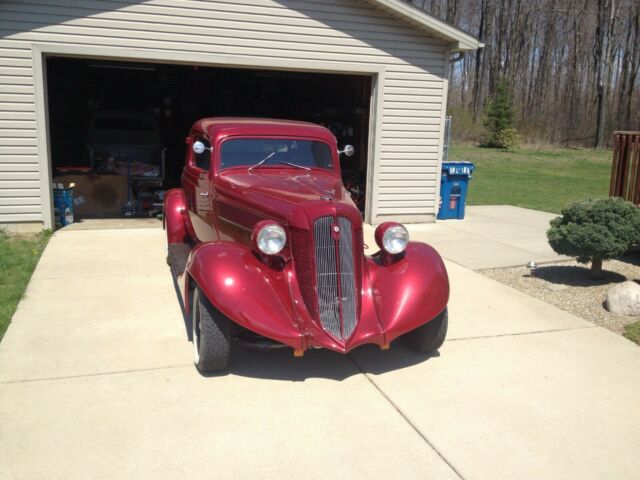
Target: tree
(572,66)
(594,230)
(499,120)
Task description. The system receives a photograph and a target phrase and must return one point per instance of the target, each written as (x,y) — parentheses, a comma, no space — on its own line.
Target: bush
(594,230)
(508,139)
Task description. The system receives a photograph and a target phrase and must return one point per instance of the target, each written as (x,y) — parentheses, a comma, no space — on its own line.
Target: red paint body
(216,211)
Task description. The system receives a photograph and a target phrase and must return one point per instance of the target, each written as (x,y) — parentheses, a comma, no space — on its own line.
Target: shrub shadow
(575,276)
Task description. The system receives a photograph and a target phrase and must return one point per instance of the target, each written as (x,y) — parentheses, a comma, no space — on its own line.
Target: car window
(203,159)
(250,151)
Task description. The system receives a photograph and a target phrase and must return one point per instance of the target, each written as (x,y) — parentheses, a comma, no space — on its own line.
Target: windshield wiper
(262,161)
(294,165)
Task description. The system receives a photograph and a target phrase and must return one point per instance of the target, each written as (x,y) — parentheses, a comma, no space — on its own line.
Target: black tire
(211,335)
(429,337)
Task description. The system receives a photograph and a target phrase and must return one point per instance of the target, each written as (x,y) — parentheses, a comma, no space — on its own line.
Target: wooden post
(625,167)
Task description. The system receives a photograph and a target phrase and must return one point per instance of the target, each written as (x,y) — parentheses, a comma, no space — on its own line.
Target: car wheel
(429,337)
(211,335)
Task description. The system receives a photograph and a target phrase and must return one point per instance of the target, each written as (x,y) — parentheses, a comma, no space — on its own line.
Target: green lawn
(541,179)
(18,257)
(632,332)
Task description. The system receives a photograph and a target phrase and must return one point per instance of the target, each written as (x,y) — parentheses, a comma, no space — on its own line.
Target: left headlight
(392,237)
(269,238)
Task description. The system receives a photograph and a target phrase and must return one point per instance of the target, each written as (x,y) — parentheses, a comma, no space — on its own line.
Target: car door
(196,183)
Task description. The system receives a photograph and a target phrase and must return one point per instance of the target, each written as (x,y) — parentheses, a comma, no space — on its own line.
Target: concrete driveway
(97,381)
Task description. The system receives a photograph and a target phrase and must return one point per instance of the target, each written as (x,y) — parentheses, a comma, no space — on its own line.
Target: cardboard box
(96,195)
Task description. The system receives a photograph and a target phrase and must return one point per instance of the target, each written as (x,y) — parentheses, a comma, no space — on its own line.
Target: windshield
(264,152)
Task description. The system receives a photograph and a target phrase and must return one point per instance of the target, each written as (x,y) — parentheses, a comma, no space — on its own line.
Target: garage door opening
(117,128)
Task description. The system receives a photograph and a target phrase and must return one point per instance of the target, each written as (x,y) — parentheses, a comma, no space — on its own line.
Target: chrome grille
(347,277)
(327,276)
(302,258)
(335,276)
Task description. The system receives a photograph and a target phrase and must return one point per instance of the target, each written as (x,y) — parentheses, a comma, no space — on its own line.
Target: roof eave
(458,40)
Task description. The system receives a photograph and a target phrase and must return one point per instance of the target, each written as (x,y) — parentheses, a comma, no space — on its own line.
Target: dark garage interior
(146,111)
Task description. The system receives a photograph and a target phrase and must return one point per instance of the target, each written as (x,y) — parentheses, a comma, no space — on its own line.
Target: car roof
(226,126)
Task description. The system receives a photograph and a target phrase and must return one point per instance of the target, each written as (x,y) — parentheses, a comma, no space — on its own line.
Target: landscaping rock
(624,299)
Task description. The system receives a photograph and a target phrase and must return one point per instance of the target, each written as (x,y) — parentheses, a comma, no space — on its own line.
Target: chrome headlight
(392,237)
(269,238)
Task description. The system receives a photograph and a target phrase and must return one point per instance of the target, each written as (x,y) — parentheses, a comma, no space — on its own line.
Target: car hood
(278,192)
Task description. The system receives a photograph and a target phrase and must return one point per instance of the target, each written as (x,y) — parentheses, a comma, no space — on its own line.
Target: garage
(374,71)
(117,128)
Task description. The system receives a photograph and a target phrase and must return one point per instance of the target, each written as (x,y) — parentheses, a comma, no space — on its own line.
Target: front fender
(176,219)
(247,291)
(409,292)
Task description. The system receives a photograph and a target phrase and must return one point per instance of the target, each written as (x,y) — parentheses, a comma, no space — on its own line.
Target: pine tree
(499,120)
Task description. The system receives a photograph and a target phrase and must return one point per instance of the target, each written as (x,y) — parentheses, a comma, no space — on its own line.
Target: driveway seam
(515,334)
(100,374)
(406,418)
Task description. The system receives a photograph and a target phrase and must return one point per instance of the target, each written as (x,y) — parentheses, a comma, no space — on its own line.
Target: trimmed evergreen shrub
(594,230)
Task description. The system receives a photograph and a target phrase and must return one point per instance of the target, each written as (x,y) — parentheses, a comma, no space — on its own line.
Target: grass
(542,179)
(632,332)
(18,258)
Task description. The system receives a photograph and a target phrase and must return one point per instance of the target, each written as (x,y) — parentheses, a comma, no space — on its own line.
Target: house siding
(343,33)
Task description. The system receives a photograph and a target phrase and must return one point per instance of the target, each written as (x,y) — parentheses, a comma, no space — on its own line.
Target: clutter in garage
(117,129)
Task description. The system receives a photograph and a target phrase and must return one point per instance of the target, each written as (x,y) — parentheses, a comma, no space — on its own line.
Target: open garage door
(117,128)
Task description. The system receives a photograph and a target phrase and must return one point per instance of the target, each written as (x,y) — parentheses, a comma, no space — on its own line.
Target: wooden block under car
(97,195)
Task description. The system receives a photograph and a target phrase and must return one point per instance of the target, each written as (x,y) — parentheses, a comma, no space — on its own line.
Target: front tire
(429,337)
(211,335)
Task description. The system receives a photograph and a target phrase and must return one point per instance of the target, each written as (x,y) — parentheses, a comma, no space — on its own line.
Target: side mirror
(199,147)
(348,150)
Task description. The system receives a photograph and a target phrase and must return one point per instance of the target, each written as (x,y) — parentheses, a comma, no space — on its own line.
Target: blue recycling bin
(453,189)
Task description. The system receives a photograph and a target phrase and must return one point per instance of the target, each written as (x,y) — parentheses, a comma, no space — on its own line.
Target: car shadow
(574,276)
(185,317)
(280,364)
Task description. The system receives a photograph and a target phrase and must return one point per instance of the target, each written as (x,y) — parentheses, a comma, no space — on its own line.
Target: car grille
(329,290)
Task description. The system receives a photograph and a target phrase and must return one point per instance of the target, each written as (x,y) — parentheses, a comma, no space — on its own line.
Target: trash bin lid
(458,168)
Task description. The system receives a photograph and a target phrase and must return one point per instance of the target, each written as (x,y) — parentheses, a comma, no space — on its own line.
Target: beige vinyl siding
(342,33)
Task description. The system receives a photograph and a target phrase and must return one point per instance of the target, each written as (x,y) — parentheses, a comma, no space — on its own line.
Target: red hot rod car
(267,248)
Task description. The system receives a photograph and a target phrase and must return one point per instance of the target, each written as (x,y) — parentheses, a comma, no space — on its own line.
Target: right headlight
(270,238)
(392,237)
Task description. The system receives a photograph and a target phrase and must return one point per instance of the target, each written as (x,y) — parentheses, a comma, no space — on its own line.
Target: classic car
(267,249)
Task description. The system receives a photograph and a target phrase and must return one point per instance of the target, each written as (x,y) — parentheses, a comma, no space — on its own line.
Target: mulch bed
(567,286)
